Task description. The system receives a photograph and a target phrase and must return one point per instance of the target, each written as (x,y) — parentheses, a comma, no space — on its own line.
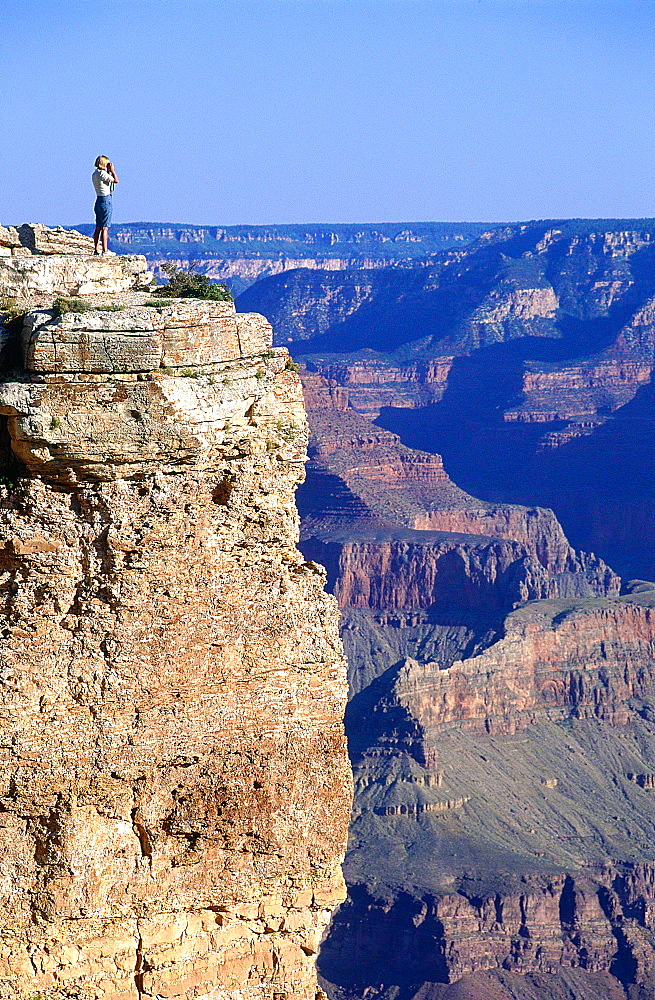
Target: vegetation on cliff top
(188,283)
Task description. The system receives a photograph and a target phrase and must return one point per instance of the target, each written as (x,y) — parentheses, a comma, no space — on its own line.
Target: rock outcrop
(37,263)
(175,789)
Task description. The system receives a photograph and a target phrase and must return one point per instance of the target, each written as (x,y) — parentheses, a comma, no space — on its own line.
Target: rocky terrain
(480,480)
(175,789)
(397,535)
(476,633)
(502,689)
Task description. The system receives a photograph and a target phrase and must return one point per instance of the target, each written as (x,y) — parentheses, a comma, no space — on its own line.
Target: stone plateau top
(37,263)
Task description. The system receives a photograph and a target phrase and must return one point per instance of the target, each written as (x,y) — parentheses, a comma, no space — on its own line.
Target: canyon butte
(175,789)
(480,490)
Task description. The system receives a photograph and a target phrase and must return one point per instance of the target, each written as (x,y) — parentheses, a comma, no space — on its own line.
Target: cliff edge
(175,789)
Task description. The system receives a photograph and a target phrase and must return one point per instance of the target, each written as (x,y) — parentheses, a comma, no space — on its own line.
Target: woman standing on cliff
(104,178)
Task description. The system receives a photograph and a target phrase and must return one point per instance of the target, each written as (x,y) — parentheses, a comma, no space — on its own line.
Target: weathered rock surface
(175,789)
(525,361)
(40,239)
(31,276)
(504,817)
(37,264)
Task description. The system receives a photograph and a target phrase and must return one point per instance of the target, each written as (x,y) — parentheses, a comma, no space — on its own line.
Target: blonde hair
(101,162)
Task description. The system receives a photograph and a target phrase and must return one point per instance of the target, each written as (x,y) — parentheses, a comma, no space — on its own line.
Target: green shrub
(260,373)
(68,305)
(286,431)
(291,366)
(10,309)
(110,309)
(188,283)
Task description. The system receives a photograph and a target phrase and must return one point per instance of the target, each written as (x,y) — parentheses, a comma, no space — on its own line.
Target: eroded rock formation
(175,789)
(504,765)
(242,255)
(503,814)
(525,360)
(396,534)
(37,264)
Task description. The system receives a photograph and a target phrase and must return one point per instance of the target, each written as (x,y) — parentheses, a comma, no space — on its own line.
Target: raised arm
(110,170)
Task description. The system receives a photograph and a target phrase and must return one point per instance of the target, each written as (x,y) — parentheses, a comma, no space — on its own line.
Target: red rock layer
(462,552)
(589,658)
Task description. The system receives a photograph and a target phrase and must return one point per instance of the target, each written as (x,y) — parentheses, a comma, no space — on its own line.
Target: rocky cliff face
(485,835)
(397,535)
(175,788)
(37,264)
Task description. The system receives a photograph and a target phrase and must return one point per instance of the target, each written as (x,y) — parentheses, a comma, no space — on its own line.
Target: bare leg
(96,239)
(105,239)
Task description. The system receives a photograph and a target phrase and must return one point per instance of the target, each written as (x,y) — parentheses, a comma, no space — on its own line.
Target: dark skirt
(102,209)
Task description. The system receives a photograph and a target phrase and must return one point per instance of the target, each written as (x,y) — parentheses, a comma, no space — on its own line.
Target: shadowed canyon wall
(524,360)
(242,255)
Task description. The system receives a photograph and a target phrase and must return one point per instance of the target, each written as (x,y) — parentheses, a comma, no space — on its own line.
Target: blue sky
(263,111)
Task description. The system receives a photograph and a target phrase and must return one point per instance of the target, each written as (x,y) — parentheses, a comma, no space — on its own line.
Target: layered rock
(514,359)
(38,263)
(400,536)
(589,659)
(485,834)
(175,786)
(42,240)
(504,813)
(242,255)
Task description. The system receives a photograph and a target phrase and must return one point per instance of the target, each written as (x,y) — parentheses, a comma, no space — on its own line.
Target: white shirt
(103,182)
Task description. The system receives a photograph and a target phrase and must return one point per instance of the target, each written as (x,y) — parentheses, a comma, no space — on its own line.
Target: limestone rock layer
(174,789)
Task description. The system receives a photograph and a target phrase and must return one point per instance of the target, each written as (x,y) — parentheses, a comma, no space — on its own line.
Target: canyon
(524,360)
(479,491)
(175,788)
(481,426)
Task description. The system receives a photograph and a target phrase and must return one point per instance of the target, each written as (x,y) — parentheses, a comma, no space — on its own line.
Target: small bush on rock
(185,284)
(64,305)
(10,309)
